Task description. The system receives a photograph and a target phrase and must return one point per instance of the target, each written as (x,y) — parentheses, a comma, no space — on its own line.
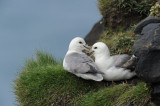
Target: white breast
(65,65)
(103,64)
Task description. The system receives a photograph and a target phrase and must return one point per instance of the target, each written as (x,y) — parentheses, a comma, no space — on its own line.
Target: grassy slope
(118,95)
(43,81)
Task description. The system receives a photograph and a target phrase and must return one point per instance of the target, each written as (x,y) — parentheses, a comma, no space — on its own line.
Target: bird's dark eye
(80,42)
(95,47)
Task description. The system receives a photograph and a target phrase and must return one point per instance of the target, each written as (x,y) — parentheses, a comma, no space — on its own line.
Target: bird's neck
(102,56)
(73,51)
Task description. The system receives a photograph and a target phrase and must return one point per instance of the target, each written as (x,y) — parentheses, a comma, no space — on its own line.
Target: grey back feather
(80,63)
(121,59)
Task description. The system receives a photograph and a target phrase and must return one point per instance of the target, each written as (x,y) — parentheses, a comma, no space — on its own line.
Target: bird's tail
(89,76)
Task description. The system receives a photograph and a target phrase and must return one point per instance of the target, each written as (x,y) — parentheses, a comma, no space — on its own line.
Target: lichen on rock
(155,10)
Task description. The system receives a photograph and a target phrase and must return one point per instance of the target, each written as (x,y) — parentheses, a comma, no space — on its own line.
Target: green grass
(44,82)
(138,95)
(103,5)
(104,97)
(124,13)
(140,7)
(118,95)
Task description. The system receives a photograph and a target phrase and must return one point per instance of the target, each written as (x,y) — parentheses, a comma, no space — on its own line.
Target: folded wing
(82,66)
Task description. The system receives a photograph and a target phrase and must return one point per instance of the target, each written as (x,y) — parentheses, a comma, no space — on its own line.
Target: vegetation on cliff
(119,42)
(155,10)
(119,95)
(44,82)
(123,13)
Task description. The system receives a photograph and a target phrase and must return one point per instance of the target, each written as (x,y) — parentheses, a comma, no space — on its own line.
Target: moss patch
(118,95)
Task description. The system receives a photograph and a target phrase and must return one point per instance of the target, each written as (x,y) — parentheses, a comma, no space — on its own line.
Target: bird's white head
(78,45)
(100,49)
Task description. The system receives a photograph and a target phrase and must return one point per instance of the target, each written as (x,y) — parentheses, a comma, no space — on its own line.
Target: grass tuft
(123,13)
(138,95)
(140,7)
(104,97)
(43,81)
(118,95)
(42,59)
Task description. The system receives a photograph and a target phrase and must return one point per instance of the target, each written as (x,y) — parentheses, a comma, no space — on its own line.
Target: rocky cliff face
(95,33)
(147,49)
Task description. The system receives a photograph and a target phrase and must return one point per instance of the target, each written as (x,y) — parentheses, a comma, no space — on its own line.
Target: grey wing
(121,59)
(80,63)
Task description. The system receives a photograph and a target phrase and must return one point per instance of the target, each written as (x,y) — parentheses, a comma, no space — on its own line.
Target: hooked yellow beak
(87,49)
(91,52)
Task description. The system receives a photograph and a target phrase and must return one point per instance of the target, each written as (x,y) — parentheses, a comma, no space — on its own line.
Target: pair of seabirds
(105,67)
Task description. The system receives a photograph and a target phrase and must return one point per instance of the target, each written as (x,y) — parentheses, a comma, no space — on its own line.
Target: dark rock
(148,67)
(146,21)
(156,89)
(148,40)
(156,94)
(147,49)
(95,33)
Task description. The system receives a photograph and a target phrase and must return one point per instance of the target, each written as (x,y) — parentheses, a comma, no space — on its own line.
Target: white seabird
(78,63)
(111,65)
